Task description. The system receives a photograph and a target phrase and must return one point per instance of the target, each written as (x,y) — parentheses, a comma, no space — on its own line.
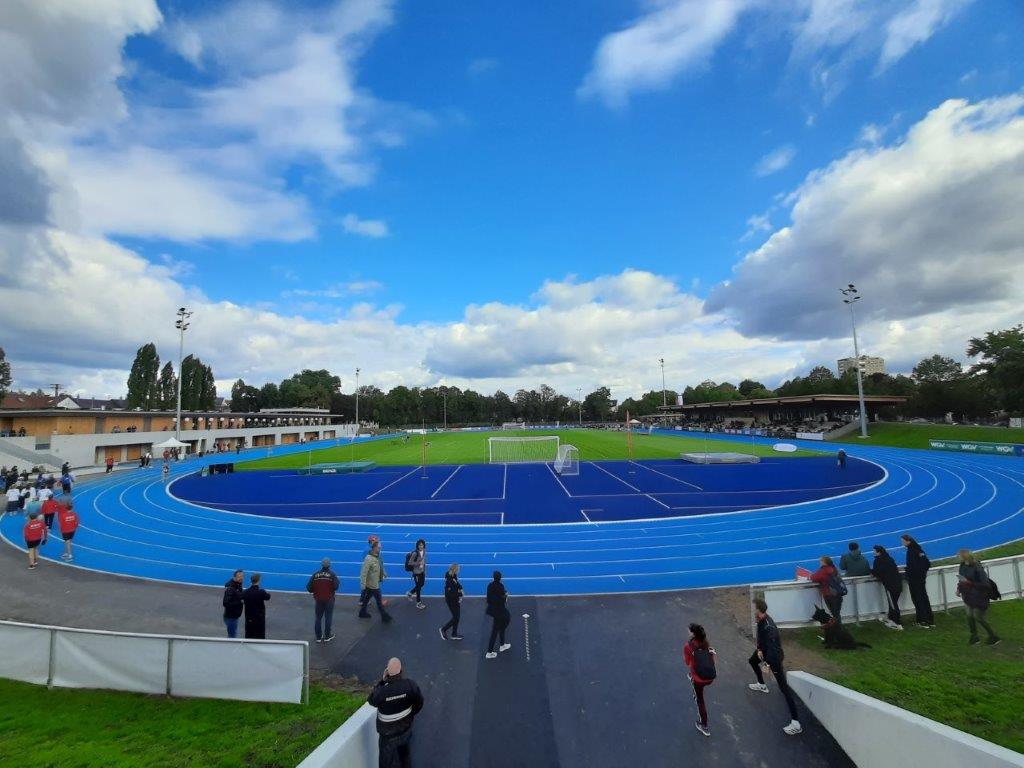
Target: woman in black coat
(917,573)
(498,611)
(885,570)
(453,599)
(255,599)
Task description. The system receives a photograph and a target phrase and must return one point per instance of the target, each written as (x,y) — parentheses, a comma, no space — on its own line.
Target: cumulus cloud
(925,225)
(775,161)
(374,228)
(915,24)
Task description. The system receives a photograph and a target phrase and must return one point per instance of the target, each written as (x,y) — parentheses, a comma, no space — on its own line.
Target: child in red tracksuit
(700,660)
(67,518)
(35,533)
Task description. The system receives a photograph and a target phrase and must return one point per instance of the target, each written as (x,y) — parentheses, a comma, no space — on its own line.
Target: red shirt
(35,530)
(68,519)
(822,577)
(51,506)
(688,650)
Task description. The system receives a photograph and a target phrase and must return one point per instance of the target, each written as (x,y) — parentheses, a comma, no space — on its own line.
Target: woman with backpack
(975,590)
(700,660)
(917,574)
(831,585)
(888,574)
(453,599)
(416,564)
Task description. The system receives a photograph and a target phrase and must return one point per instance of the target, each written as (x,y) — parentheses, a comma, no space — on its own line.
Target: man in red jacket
(67,519)
(323,585)
(35,533)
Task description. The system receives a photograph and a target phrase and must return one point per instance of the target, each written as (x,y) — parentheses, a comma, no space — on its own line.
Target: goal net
(520,450)
(568,460)
(513,425)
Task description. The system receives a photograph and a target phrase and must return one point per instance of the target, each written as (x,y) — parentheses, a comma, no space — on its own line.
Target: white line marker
(558,480)
(584,513)
(526,633)
(442,485)
(414,469)
(504,483)
(665,474)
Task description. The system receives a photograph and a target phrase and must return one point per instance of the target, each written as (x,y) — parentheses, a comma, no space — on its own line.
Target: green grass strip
(918,435)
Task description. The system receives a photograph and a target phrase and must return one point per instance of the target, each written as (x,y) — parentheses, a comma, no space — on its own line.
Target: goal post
(522,450)
(567,463)
(511,425)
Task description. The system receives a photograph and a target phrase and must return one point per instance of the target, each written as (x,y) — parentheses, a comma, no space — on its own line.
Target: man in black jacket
(233,603)
(886,571)
(769,651)
(255,599)
(398,700)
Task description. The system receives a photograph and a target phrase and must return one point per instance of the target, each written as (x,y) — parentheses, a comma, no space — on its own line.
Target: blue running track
(646,529)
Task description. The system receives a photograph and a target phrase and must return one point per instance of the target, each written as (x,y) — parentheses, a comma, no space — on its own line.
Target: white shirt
(13,494)
(45,494)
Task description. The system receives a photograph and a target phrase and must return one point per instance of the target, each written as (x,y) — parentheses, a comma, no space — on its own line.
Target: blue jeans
(324,614)
(232,625)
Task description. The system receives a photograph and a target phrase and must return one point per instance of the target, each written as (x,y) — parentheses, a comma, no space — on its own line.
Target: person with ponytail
(700,660)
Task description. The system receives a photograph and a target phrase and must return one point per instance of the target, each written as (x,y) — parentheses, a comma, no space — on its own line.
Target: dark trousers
(324,616)
(893,597)
(395,751)
(255,629)
(698,695)
(364,602)
(780,679)
(976,616)
(232,626)
(922,605)
(498,630)
(456,611)
(834,603)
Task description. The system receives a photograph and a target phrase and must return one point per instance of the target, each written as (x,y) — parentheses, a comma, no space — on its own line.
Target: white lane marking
(526,632)
(414,469)
(442,485)
(504,483)
(558,480)
(665,474)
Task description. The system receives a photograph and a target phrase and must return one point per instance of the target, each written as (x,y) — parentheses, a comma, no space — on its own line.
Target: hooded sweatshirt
(853,563)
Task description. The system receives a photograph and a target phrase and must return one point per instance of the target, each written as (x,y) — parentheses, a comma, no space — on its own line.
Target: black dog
(836,635)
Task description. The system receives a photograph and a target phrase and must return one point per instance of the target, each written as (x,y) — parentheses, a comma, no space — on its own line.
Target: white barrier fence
(877,734)
(202,667)
(353,745)
(791,603)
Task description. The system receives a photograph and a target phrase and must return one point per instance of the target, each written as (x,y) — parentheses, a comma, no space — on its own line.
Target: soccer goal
(568,460)
(521,450)
(509,425)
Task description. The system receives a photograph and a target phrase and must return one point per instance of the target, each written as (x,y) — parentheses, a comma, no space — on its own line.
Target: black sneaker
(442,634)
(973,641)
(329,637)
(702,728)
(365,616)
(456,637)
(993,641)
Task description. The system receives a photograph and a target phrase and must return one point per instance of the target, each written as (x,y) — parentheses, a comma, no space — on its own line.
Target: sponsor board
(995,449)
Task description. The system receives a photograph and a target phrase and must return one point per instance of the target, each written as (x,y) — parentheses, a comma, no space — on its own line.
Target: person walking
(769,652)
(397,700)
(416,563)
(916,573)
(888,574)
(973,588)
(233,604)
(371,576)
(35,534)
(255,599)
(110,465)
(453,599)
(853,563)
(841,459)
(831,586)
(50,508)
(66,481)
(699,657)
(323,585)
(67,521)
(497,609)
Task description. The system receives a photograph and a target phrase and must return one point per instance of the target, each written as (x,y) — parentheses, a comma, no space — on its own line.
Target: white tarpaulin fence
(202,667)
(791,603)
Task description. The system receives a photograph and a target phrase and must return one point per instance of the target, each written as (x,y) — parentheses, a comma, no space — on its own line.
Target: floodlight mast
(182,325)
(664,396)
(579,402)
(357,401)
(851,297)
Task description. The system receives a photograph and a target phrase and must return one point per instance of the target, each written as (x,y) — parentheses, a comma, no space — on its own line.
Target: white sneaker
(759,687)
(504,647)
(793,728)
(421,606)
(889,623)
(896,626)
(490,655)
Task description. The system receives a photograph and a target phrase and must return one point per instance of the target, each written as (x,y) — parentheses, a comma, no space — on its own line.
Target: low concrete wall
(878,735)
(353,745)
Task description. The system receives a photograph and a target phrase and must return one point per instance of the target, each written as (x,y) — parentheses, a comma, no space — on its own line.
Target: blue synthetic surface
(131,525)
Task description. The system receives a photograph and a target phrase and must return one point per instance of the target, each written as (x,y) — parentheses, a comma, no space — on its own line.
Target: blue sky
(341,183)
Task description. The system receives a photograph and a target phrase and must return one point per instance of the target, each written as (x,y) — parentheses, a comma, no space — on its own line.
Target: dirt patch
(734,602)
(804,659)
(335,682)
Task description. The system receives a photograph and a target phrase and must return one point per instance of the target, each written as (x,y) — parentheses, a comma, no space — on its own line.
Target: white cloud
(374,228)
(757,224)
(775,161)
(337,290)
(481,66)
(915,24)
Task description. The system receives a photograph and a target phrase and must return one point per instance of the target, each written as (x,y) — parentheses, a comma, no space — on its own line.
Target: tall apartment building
(870,365)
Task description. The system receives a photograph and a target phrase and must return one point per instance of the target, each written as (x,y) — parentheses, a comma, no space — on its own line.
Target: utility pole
(664,396)
(357,401)
(579,402)
(182,325)
(444,401)
(851,297)
(56,393)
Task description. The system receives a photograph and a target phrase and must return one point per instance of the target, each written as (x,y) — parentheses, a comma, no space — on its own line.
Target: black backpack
(993,591)
(837,585)
(408,560)
(704,663)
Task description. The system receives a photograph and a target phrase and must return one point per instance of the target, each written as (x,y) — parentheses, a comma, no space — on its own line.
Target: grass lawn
(471,448)
(71,728)
(918,435)
(936,674)
(1006,550)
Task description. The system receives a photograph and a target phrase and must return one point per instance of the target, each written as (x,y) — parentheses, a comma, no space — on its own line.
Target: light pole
(182,325)
(444,401)
(357,401)
(579,402)
(664,396)
(851,297)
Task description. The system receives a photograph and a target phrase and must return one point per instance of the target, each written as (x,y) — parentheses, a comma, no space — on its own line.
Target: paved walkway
(604,684)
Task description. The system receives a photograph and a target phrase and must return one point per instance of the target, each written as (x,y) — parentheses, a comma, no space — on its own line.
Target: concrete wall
(878,735)
(353,745)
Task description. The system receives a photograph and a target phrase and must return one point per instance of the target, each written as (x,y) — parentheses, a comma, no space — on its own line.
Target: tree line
(153,388)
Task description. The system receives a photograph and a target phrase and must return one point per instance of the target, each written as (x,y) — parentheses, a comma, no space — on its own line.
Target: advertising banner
(994,449)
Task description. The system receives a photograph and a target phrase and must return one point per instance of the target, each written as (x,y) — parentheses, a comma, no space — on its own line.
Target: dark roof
(19,401)
(797,400)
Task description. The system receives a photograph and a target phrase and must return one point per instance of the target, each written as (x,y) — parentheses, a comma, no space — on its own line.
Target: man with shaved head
(398,700)
(323,585)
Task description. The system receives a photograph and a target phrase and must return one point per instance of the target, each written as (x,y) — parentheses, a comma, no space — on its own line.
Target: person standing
(769,652)
(66,481)
(884,569)
(841,459)
(916,573)
(416,563)
(831,585)
(699,657)
(973,588)
(397,700)
(13,499)
(255,599)
(853,563)
(371,576)
(497,609)
(67,521)
(233,604)
(50,508)
(453,599)
(35,533)
(110,465)
(323,585)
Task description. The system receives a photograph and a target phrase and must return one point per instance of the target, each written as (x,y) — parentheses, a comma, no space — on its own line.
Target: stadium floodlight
(664,400)
(579,402)
(182,325)
(850,297)
(357,401)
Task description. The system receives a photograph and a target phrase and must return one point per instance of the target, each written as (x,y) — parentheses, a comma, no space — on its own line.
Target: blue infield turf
(618,527)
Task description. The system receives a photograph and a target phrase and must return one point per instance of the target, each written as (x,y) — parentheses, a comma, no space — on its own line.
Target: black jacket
(768,641)
(917,563)
(255,599)
(496,596)
(452,588)
(885,570)
(233,603)
(398,700)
